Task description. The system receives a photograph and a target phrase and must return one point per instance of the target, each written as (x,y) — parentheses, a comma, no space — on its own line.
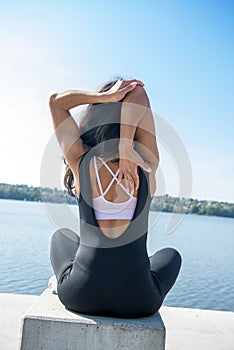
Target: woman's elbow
(138,96)
(154,163)
(52,98)
(154,158)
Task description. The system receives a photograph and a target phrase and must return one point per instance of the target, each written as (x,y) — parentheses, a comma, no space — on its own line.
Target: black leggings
(141,294)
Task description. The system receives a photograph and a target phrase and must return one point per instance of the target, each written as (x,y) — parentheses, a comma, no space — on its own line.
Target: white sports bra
(106,210)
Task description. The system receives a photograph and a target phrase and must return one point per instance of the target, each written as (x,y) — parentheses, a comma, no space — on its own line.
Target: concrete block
(49,326)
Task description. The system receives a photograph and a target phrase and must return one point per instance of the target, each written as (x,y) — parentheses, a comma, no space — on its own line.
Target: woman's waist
(112,233)
(117,258)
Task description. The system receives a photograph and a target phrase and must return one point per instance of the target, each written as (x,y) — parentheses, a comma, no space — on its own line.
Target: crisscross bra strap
(97,175)
(115,178)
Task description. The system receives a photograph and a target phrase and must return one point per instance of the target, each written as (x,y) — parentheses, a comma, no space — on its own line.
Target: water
(206,244)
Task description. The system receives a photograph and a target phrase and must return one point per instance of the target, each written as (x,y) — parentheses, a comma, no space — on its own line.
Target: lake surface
(206,244)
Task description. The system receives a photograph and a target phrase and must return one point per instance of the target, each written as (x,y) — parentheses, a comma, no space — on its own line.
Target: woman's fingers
(128,172)
(128,88)
(129,81)
(140,162)
(129,163)
(136,181)
(130,179)
(145,167)
(120,176)
(139,82)
(120,89)
(130,185)
(129,84)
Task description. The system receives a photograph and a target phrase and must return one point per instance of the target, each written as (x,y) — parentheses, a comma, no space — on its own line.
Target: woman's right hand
(129,160)
(119,90)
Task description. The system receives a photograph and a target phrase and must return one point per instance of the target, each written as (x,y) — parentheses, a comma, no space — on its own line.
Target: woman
(111,161)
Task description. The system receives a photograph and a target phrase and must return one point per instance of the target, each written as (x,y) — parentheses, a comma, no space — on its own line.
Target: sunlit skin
(136,123)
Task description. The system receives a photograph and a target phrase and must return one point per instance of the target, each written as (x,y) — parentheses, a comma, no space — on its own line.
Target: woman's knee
(55,235)
(166,259)
(64,232)
(170,267)
(173,255)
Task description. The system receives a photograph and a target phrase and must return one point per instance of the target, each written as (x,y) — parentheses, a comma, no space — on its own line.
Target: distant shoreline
(164,203)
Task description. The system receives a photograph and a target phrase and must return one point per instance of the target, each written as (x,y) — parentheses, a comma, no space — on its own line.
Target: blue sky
(182,50)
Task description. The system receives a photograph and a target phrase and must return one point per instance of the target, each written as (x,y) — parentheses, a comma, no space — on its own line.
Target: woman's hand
(119,90)
(129,160)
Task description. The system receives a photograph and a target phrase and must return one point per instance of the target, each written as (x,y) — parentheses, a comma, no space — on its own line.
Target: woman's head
(100,126)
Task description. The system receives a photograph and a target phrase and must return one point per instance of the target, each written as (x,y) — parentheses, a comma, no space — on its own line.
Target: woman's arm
(66,129)
(137,124)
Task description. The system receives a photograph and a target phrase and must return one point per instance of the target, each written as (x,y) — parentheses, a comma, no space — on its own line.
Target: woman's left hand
(120,89)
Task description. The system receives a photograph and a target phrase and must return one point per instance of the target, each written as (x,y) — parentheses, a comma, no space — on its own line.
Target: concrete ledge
(185,328)
(48,325)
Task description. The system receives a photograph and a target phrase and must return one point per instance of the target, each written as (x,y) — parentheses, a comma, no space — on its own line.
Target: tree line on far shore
(164,203)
